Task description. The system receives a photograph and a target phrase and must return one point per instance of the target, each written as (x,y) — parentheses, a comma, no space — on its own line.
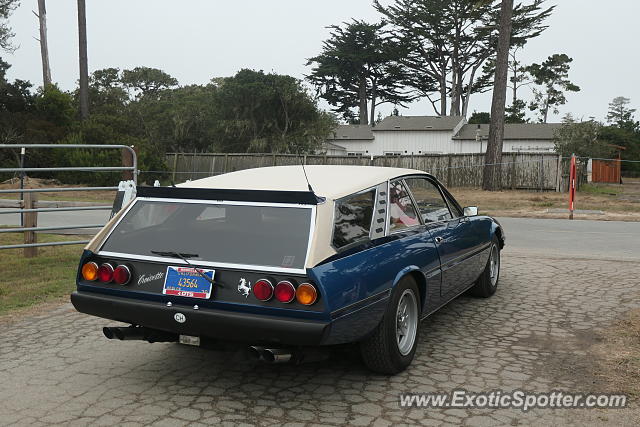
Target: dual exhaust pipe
(133,333)
(265,354)
(270,355)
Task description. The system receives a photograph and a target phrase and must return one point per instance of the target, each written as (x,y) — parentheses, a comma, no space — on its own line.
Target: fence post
(30,220)
(449,170)
(127,162)
(541,172)
(559,175)
(226,162)
(175,166)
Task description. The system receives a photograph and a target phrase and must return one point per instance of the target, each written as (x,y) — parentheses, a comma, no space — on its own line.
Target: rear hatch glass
(255,235)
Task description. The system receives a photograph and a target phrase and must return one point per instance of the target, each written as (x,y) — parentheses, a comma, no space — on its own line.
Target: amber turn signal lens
(306,294)
(90,271)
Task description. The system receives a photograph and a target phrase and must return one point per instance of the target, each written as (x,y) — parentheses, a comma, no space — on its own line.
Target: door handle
(439,239)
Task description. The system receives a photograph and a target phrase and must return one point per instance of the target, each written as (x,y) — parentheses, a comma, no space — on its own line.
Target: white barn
(353,140)
(407,135)
(527,137)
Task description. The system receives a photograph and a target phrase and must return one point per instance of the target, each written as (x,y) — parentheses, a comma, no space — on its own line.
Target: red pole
(572,185)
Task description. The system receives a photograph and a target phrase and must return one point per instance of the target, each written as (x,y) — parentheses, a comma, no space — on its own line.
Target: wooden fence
(534,171)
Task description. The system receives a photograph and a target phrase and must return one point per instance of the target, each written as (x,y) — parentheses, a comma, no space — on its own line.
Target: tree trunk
(84,63)
(374,99)
(443,89)
(363,101)
(44,47)
(545,112)
(514,68)
(467,96)
(491,176)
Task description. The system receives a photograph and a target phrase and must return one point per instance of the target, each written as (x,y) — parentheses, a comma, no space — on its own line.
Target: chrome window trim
(333,215)
(436,184)
(272,269)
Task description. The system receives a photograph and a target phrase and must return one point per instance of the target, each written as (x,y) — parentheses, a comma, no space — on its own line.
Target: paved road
(615,240)
(536,333)
(52,219)
(603,239)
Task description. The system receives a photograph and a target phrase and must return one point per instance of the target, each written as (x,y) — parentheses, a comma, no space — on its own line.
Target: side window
(402,213)
(432,206)
(353,217)
(453,206)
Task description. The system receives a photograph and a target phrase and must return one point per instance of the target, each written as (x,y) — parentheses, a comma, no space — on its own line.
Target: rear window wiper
(185,257)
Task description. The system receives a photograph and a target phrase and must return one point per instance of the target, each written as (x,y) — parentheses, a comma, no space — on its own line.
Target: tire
(487,283)
(387,350)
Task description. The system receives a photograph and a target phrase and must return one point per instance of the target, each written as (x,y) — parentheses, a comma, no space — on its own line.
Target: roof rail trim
(262,196)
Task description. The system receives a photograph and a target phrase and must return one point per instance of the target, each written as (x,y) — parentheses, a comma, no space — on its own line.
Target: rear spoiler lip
(258,196)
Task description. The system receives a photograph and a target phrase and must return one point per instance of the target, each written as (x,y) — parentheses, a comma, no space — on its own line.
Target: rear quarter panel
(357,286)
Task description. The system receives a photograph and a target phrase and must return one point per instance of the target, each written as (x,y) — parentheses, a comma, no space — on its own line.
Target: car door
(449,229)
(404,222)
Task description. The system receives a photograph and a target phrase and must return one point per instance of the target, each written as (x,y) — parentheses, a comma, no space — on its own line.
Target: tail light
(263,290)
(306,294)
(90,271)
(105,273)
(285,292)
(122,275)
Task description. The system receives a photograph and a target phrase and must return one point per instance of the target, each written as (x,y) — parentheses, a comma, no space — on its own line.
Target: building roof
(331,146)
(351,132)
(418,123)
(512,131)
(330,181)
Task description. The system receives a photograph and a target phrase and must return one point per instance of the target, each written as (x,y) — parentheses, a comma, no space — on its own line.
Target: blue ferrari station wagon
(290,260)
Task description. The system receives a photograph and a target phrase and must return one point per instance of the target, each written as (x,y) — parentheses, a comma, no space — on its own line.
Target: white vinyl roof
(332,182)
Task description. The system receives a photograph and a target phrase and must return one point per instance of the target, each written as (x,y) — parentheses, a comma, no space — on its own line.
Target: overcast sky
(195,40)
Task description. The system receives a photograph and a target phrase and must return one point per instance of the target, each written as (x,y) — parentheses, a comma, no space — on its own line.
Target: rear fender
(416,274)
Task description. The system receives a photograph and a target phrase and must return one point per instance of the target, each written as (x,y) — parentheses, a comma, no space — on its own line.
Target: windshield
(233,234)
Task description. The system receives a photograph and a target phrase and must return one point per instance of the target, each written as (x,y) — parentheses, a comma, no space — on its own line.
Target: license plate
(189,340)
(186,282)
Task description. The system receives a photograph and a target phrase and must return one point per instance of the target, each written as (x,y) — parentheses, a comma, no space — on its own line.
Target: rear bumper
(216,324)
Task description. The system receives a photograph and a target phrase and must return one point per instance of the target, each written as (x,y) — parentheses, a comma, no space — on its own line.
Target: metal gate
(29,208)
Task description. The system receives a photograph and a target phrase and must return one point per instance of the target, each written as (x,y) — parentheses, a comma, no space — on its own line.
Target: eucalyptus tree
(447,44)
(359,68)
(6,8)
(552,80)
(620,114)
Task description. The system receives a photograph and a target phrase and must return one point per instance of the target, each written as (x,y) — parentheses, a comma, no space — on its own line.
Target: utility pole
(491,173)
(84,63)
(44,46)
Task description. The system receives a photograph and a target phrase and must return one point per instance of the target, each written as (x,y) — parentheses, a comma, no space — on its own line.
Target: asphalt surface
(560,284)
(615,240)
(53,219)
(603,239)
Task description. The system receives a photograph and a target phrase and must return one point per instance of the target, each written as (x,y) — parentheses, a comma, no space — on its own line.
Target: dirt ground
(618,202)
(619,350)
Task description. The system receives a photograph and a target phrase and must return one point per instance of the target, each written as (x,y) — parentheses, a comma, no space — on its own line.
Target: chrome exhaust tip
(276,355)
(108,332)
(255,352)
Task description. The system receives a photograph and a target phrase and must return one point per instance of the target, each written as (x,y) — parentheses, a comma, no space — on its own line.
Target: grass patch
(621,354)
(50,276)
(523,203)
(609,190)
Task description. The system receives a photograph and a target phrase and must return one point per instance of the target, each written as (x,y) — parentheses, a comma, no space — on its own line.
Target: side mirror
(470,211)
